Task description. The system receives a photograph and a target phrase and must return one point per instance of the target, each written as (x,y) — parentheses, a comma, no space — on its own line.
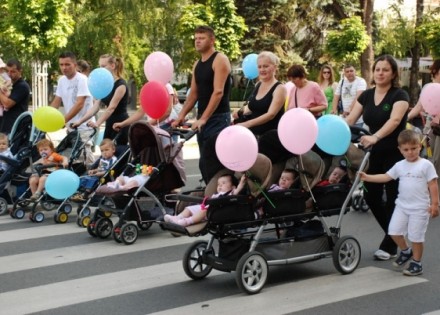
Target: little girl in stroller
(226,185)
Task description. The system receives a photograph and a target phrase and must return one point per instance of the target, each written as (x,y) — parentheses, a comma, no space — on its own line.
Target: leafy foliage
(429,33)
(348,43)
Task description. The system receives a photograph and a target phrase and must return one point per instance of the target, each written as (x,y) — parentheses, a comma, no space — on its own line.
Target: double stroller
(71,146)
(139,207)
(287,232)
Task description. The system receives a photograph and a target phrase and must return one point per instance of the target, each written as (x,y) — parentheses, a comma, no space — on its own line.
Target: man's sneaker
(402,259)
(414,269)
(383,255)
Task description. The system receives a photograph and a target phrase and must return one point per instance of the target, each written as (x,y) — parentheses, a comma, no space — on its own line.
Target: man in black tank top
(210,87)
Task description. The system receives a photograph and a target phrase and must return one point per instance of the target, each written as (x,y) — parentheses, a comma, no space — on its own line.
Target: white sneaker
(383,255)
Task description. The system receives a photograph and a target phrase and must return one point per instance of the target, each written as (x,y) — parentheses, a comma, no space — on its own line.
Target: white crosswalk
(57,287)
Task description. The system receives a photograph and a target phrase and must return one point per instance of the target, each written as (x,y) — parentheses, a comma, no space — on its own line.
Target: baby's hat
(2,64)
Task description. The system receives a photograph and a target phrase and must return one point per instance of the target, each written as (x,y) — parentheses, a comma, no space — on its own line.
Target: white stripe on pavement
(71,254)
(301,295)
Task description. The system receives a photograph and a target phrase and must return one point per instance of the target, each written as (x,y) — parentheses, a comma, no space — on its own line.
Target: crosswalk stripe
(38,259)
(282,299)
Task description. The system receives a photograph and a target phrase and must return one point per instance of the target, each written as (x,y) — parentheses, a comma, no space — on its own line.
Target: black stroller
(138,208)
(288,232)
(75,147)
(21,142)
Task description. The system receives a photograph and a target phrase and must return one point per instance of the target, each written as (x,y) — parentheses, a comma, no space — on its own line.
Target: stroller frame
(248,246)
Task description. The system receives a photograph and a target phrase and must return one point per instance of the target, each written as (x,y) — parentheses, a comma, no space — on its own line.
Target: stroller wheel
(193,261)
(78,221)
(67,208)
(356,202)
(364,206)
(78,210)
(144,225)
(103,227)
(3,206)
(346,254)
(38,217)
(91,228)
(251,272)
(116,233)
(47,205)
(61,217)
(85,212)
(18,213)
(85,221)
(129,233)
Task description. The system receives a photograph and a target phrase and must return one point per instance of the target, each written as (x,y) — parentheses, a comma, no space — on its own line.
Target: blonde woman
(265,105)
(116,102)
(328,85)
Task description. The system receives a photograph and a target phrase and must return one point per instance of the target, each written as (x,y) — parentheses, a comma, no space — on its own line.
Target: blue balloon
(250,66)
(62,184)
(333,135)
(99,138)
(100,83)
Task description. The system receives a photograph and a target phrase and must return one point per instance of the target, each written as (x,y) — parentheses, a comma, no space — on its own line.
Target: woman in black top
(384,109)
(266,104)
(116,102)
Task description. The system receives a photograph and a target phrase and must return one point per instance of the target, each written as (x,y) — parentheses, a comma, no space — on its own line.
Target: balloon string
(261,190)
(245,90)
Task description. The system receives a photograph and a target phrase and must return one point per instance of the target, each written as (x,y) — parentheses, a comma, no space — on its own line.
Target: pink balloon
(159,67)
(154,99)
(288,85)
(236,148)
(298,130)
(429,98)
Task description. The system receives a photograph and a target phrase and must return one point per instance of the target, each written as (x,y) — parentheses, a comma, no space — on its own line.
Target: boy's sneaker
(402,259)
(78,197)
(383,255)
(414,269)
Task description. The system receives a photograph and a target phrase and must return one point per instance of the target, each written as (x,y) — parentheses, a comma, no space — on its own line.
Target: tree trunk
(367,57)
(414,88)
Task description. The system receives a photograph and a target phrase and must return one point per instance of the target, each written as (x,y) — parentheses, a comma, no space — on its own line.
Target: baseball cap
(2,64)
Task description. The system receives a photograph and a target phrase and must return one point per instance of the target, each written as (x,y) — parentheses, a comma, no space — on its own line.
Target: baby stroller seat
(229,212)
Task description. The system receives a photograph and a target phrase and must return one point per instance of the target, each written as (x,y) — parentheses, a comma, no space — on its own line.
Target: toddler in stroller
(49,162)
(5,151)
(226,185)
(98,169)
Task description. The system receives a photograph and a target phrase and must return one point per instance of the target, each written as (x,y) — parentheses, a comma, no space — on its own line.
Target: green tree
(349,41)
(222,17)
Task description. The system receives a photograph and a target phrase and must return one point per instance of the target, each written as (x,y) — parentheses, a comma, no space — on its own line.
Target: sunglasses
(325,72)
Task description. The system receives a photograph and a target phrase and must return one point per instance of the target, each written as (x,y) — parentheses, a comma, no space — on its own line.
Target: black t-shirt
(376,116)
(204,76)
(260,107)
(121,109)
(20,94)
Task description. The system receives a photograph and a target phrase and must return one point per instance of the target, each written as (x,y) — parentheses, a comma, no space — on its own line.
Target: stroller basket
(231,209)
(331,196)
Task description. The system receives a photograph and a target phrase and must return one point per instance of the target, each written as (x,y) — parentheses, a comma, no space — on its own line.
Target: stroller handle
(185,132)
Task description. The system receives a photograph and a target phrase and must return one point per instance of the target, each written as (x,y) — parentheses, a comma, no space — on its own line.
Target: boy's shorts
(413,223)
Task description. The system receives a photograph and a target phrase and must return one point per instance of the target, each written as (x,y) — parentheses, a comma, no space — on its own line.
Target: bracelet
(377,137)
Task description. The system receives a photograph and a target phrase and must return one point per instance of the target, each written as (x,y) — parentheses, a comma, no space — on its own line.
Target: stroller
(84,211)
(145,204)
(21,141)
(72,144)
(288,232)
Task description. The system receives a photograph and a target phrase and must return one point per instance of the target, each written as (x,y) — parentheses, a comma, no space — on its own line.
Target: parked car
(181,94)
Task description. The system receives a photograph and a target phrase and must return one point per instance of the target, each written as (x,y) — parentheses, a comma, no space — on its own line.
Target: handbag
(241,116)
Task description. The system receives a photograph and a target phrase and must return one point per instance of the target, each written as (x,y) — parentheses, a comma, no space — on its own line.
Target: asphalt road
(51,268)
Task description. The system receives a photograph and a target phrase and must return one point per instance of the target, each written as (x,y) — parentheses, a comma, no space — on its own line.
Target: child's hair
(45,143)
(108,142)
(408,137)
(291,171)
(4,137)
(232,178)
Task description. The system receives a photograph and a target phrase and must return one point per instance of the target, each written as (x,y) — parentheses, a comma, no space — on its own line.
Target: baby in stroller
(226,185)
(4,151)
(98,169)
(48,158)
(143,173)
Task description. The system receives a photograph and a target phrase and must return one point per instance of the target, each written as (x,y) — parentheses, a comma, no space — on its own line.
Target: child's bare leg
(41,183)
(199,217)
(33,183)
(400,241)
(417,251)
(185,213)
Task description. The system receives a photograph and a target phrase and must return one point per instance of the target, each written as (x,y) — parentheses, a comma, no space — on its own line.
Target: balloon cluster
(159,69)
(298,131)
